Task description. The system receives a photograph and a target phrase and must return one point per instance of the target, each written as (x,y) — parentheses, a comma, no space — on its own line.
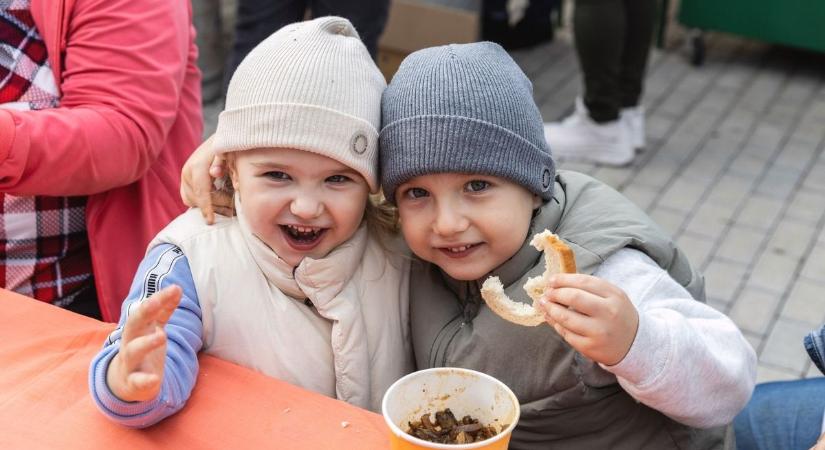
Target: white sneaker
(635,119)
(579,138)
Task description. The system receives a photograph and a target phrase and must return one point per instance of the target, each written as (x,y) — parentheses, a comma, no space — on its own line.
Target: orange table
(45,404)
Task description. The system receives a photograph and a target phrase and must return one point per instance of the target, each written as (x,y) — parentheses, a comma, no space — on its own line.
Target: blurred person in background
(99,101)
(787,414)
(257,19)
(613,40)
(516,24)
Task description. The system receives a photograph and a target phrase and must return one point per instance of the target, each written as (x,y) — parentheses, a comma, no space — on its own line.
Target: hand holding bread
(594,316)
(558,258)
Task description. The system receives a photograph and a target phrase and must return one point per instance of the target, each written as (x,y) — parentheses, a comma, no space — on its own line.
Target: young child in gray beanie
(294,286)
(632,357)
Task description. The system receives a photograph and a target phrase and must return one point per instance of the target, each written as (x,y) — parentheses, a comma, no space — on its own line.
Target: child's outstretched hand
(136,372)
(594,316)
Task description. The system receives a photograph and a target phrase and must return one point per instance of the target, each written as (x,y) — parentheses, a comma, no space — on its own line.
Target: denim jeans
(815,346)
(783,415)
(257,19)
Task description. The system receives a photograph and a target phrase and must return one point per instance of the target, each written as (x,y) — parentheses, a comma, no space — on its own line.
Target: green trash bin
(797,23)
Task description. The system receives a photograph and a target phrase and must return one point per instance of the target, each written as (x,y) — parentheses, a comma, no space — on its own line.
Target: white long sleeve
(688,360)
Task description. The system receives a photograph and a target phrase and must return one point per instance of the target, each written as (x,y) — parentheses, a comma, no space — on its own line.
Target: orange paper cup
(464,391)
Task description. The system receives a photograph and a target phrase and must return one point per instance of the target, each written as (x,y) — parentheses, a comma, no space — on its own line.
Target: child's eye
(477,185)
(338,179)
(416,193)
(276,175)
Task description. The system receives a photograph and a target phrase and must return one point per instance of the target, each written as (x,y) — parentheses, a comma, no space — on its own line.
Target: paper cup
(464,391)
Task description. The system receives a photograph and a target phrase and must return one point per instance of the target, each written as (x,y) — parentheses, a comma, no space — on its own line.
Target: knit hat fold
(463,108)
(433,144)
(310,86)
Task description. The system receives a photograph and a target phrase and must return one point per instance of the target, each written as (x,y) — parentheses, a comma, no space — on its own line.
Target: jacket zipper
(450,341)
(449,329)
(470,304)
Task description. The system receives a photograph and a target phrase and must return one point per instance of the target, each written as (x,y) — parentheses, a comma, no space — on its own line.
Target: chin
(463,274)
(292,261)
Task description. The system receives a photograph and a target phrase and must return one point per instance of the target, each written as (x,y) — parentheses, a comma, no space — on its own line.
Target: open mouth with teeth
(303,237)
(459,250)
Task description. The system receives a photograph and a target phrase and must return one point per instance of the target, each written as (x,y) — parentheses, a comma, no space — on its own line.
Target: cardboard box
(416,24)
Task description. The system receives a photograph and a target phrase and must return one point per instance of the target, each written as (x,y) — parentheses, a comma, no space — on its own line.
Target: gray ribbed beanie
(463,108)
(310,86)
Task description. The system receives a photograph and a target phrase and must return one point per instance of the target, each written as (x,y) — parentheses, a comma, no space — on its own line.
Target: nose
(449,220)
(306,207)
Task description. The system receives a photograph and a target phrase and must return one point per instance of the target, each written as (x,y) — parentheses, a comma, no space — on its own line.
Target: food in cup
(448,430)
(464,392)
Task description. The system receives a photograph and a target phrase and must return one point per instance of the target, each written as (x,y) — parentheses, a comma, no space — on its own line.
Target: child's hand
(136,372)
(595,317)
(196,182)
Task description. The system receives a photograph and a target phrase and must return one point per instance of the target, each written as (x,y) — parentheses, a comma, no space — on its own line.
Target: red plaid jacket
(44,251)
(128,118)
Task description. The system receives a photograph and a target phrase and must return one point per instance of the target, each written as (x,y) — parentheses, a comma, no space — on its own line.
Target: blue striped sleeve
(164,265)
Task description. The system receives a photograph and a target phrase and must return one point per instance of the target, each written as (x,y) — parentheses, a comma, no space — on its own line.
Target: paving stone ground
(734,169)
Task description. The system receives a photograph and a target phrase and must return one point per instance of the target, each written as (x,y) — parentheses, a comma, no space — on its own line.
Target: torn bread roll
(558,258)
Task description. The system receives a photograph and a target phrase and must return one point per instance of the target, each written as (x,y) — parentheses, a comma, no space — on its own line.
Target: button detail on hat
(546,179)
(359,143)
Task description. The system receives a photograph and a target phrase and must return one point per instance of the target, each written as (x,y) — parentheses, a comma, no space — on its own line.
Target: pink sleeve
(124,66)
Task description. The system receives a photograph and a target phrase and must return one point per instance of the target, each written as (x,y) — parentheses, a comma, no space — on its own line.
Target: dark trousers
(613,40)
(534,28)
(257,19)
(86,302)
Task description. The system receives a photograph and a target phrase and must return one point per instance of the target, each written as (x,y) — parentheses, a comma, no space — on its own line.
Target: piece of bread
(558,258)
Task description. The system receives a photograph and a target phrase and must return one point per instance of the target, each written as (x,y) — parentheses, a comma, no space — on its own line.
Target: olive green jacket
(567,401)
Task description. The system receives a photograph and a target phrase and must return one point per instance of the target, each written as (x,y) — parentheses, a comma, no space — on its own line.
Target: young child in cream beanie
(294,285)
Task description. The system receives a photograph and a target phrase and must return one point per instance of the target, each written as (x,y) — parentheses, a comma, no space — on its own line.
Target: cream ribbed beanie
(310,86)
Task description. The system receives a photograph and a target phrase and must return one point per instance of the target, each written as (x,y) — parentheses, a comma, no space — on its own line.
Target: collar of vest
(319,279)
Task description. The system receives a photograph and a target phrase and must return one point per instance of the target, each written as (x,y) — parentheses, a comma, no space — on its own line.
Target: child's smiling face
(297,202)
(466,224)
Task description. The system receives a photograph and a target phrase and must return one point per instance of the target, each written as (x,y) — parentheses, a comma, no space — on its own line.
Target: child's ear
(232,168)
(537,202)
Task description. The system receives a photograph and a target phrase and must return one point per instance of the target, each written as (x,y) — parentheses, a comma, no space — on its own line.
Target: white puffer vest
(351,342)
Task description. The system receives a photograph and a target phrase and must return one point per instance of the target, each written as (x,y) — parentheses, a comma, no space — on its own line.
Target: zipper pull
(472,302)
